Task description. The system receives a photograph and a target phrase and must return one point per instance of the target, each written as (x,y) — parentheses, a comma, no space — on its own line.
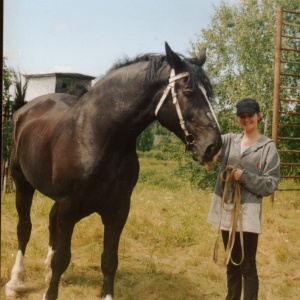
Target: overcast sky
(43,36)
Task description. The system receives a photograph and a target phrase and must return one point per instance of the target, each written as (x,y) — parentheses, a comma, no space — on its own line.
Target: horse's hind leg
(24,194)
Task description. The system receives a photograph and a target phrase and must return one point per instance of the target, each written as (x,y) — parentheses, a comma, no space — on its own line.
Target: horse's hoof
(107,297)
(10,293)
(13,289)
(44,297)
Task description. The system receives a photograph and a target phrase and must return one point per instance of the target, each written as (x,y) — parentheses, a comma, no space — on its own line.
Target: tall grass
(165,249)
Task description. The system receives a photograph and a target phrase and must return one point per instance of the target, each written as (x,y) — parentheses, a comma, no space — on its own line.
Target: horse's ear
(173,59)
(201,57)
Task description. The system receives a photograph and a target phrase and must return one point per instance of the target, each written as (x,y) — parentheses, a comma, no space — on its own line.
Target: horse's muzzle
(209,165)
(210,157)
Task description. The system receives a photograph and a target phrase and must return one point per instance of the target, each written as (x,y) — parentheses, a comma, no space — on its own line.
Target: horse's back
(34,126)
(50,106)
(45,103)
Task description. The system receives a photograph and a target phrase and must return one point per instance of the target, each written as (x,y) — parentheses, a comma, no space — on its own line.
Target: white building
(41,84)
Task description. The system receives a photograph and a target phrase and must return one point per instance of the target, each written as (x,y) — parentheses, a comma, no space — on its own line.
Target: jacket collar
(261,142)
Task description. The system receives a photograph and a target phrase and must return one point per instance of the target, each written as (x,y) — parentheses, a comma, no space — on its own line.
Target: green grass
(166,247)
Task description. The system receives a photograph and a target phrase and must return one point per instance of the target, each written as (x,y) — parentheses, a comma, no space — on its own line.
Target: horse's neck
(117,107)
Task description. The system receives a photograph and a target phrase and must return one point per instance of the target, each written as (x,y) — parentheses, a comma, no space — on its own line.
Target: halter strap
(171,87)
(178,76)
(209,104)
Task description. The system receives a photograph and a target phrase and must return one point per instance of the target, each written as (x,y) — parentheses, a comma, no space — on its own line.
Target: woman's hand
(237,174)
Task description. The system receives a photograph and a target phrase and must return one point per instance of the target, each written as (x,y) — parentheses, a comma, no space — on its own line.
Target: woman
(252,163)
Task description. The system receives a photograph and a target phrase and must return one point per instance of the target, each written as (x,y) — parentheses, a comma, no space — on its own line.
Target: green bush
(146,140)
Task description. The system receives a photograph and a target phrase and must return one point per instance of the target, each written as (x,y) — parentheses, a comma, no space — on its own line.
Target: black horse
(82,152)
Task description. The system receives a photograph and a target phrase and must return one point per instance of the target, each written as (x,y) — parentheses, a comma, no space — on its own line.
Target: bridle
(189,138)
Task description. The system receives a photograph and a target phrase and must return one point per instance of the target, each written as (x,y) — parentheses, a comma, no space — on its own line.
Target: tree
(240,41)
(146,140)
(6,125)
(20,90)
(7,82)
(7,110)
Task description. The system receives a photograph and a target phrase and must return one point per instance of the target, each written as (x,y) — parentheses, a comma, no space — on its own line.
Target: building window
(62,86)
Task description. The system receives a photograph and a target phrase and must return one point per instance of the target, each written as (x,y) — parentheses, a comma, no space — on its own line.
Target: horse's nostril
(212,152)
(209,151)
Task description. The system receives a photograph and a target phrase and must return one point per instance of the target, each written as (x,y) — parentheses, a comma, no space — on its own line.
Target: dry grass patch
(165,249)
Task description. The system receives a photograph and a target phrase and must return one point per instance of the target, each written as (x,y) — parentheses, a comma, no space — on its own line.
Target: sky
(88,37)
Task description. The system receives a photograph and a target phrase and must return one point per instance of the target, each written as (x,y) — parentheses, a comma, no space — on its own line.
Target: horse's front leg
(66,220)
(24,194)
(109,259)
(52,240)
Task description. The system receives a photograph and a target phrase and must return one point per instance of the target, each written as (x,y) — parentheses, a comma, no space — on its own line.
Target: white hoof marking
(48,265)
(49,257)
(16,283)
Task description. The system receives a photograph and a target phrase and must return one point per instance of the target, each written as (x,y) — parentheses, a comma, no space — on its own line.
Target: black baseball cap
(247,105)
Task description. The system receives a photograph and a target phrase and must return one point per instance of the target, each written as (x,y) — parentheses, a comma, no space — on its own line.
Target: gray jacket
(261,165)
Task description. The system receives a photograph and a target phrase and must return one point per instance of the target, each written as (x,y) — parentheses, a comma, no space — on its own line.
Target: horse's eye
(187,92)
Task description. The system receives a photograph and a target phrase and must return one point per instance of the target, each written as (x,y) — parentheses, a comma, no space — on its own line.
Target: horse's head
(185,109)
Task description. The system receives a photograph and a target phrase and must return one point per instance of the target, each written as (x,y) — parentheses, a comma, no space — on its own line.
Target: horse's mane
(198,74)
(157,62)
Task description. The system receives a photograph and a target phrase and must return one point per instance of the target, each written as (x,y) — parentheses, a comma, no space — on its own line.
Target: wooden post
(276,95)
(277,64)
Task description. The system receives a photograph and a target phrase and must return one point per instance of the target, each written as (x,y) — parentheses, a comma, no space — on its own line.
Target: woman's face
(249,122)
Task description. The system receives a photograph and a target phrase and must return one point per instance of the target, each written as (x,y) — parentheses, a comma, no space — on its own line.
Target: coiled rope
(231,194)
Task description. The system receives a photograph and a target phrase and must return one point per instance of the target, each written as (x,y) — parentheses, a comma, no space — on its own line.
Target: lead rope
(233,189)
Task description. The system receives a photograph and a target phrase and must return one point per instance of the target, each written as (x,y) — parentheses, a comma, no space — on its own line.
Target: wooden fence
(286,92)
